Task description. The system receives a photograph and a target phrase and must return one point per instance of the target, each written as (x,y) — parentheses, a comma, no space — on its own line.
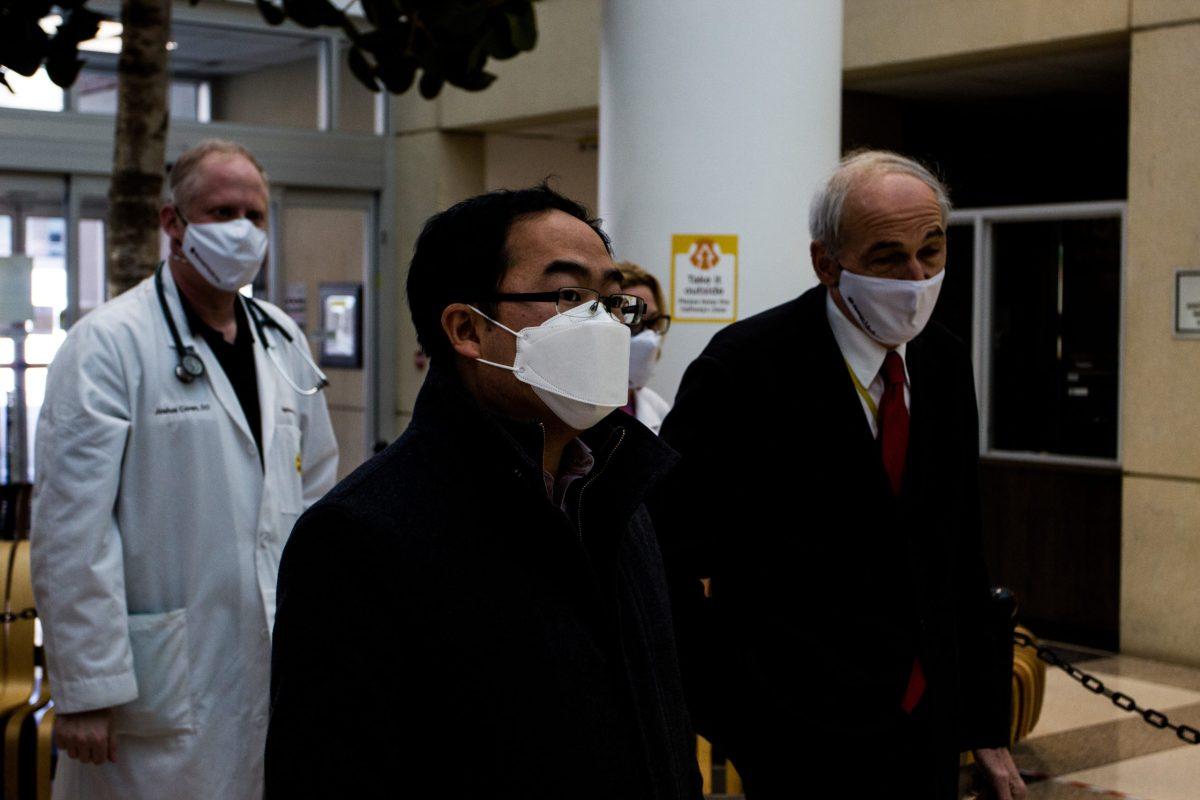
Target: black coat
(823,585)
(444,631)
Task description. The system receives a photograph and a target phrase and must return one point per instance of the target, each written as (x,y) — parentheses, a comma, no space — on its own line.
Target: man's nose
(914,270)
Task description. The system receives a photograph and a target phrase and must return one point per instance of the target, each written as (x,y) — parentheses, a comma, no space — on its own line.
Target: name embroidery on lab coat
(162,410)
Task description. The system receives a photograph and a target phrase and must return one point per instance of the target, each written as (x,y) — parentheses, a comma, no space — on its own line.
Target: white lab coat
(156,543)
(649,408)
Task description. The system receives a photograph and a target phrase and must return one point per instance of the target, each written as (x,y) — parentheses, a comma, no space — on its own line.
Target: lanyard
(866,396)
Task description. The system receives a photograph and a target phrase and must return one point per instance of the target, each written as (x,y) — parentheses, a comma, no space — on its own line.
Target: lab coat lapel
(218,381)
(268,388)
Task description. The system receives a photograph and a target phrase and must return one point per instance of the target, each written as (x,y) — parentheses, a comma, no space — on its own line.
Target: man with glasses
(481,611)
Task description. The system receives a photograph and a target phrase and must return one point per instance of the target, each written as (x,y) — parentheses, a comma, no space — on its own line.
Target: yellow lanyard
(866,396)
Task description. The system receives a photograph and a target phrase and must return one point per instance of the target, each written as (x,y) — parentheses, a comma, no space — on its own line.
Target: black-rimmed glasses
(575,301)
(659,324)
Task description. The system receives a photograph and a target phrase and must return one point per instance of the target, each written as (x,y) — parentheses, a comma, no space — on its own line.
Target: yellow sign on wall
(704,277)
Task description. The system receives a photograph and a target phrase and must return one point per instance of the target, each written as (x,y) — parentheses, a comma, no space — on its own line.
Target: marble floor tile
(1085,748)
(1067,705)
(1177,675)
(1169,775)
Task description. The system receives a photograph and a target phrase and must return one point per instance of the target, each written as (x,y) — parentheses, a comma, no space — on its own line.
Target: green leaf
(362,69)
(397,74)
(272,13)
(313,13)
(431,84)
(474,81)
(500,45)
(522,25)
(63,68)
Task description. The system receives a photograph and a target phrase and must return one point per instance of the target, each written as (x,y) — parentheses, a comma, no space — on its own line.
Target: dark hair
(461,255)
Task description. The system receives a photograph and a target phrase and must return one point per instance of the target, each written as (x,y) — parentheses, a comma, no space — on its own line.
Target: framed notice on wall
(341,325)
(704,270)
(1187,303)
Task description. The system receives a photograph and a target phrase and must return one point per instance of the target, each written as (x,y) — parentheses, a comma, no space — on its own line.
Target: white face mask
(643,356)
(226,254)
(577,365)
(890,310)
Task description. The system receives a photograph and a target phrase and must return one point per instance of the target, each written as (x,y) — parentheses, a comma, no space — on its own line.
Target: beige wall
(1155,12)
(513,162)
(884,33)
(561,75)
(1161,438)
(1161,550)
(434,171)
(320,245)
(255,98)
(357,107)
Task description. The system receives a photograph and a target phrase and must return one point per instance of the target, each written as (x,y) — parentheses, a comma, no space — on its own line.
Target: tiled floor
(1084,747)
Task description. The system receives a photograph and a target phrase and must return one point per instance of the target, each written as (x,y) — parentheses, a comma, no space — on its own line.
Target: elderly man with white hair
(844,645)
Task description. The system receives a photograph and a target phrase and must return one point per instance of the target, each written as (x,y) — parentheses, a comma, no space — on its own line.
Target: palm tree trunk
(141,139)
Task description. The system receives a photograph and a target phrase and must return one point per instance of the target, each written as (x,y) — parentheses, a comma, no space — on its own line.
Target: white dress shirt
(864,357)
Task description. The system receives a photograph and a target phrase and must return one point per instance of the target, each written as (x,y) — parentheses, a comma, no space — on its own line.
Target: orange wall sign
(704,277)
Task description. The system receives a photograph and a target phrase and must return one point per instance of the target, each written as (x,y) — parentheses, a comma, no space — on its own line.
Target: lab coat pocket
(289,464)
(160,662)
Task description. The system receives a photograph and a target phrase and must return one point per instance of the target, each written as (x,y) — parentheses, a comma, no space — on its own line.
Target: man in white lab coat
(179,441)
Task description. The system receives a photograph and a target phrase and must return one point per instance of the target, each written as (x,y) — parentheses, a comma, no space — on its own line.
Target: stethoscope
(189,366)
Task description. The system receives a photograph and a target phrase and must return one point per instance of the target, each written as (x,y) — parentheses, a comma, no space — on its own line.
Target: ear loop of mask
(515,370)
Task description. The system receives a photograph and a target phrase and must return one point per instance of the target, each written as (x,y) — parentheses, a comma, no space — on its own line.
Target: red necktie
(893,446)
(893,420)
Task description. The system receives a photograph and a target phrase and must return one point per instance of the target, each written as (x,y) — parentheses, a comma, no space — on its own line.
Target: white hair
(825,213)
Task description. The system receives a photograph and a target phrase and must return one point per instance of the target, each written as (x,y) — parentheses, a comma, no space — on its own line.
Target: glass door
(32,224)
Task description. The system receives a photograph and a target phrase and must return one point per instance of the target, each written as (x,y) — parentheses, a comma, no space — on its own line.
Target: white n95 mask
(643,356)
(227,254)
(890,310)
(578,366)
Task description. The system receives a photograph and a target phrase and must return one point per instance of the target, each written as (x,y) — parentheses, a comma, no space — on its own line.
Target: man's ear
(461,326)
(171,222)
(824,264)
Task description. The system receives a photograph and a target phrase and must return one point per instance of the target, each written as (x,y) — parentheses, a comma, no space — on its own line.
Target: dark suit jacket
(825,586)
(444,631)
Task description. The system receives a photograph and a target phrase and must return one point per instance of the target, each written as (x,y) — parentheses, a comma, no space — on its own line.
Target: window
(1056,289)
(1043,317)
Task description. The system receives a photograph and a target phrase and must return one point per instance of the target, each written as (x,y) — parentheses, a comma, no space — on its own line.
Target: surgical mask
(577,365)
(643,356)
(227,254)
(890,310)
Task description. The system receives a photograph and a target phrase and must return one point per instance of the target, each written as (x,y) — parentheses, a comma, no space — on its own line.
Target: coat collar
(629,458)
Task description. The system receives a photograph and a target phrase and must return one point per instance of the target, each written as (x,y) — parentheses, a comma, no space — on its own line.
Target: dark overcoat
(444,631)
(824,587)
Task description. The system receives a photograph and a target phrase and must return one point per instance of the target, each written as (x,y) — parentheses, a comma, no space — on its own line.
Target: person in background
(828,489)
(174,453)
(645,347)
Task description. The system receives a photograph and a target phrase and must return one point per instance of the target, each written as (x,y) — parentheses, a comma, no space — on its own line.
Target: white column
(718,118)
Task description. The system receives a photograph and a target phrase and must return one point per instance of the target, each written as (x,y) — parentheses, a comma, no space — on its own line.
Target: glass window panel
(45,241)
(92,279)
(96,92)
(1055,337)
(5,235)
